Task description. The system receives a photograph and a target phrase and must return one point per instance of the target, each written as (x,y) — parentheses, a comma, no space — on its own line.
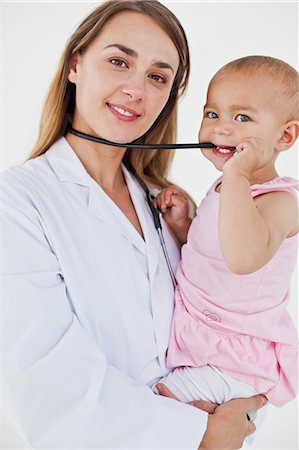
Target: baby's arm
(251,230)
(174,206)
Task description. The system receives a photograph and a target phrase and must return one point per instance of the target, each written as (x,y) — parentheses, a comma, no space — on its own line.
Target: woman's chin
(120,138)
(112,135)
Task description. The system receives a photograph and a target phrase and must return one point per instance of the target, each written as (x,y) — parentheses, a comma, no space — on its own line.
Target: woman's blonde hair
(151,165)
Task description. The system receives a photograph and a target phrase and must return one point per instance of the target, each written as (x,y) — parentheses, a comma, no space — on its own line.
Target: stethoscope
(155,212)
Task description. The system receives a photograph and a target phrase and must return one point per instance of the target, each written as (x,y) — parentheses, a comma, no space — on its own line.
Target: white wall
(34,34)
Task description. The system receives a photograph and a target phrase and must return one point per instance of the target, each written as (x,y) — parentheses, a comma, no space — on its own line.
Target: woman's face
(124,78)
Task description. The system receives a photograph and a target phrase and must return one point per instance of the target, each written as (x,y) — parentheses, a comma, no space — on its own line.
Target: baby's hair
(284,76)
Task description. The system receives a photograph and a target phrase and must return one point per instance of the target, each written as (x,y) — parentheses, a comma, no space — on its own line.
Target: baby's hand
(247,158)
(174,206)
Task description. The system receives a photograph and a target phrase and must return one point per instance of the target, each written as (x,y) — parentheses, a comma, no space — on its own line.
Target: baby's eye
(118,62)
(158,78)
(211,115)
(242,118)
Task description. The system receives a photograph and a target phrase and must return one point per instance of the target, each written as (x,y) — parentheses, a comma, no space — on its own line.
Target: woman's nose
(135,90)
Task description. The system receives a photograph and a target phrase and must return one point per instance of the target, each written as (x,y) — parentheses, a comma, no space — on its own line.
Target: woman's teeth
(121,111)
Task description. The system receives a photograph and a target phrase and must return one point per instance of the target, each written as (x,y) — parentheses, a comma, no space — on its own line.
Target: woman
(88,297)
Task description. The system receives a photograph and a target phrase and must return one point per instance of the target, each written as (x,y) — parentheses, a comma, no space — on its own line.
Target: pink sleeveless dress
(238,323)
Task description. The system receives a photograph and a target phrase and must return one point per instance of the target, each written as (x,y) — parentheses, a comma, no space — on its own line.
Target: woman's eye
(242,118)
(211,115)
(118,62)
(158,78)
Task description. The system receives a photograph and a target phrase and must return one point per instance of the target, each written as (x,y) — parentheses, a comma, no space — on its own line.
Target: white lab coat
(87,309)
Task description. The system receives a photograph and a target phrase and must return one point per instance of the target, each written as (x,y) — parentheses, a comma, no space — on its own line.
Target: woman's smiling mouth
(123,113)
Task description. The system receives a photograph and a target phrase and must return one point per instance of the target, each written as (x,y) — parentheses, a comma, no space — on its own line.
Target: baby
(232,335)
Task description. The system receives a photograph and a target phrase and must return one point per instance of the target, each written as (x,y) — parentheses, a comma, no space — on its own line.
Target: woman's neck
(102,163)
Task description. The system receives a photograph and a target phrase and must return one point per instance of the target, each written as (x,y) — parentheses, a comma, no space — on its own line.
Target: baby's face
(239,106)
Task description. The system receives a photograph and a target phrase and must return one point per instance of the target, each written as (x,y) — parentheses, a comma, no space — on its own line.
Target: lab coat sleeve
(59,390)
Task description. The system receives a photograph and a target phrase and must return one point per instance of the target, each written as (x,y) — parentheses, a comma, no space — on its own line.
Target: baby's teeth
(223,150)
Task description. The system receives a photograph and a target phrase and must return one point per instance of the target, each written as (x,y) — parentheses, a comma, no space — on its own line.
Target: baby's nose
(222,129)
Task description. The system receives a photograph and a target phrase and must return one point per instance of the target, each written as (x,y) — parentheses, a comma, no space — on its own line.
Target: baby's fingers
(240,147)
(163,201)
(164,198)
(167,198)
(160,201)
(251,143)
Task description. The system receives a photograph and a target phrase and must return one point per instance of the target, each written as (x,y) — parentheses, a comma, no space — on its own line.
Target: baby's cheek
(203,132)
(201,129)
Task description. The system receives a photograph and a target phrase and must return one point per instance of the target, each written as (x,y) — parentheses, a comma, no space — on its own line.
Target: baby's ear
(289,135)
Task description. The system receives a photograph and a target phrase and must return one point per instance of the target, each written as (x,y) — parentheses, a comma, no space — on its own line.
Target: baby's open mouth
(225,149)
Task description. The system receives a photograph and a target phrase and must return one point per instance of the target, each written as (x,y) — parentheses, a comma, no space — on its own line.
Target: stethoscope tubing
(157,222)
(169,266)
(99,140)
(155,212)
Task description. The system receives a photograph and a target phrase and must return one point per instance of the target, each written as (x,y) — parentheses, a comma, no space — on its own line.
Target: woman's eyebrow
(163,65)
(131,52)
(122,48)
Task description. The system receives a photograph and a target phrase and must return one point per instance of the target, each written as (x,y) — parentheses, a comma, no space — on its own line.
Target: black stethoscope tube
(89,137)
(155,212)
(157,222)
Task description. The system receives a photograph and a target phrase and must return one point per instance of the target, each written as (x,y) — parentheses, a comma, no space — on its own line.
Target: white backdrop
(33,37)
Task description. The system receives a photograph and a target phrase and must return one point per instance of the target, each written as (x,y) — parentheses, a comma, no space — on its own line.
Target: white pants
(210,384)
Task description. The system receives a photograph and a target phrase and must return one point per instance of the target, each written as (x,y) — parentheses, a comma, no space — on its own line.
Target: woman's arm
(60,389)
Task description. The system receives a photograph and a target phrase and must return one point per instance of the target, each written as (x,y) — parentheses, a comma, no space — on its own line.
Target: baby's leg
(210,384)
(205,383)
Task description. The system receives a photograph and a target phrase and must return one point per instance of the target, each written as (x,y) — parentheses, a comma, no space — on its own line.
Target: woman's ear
(73,68)
(288,137)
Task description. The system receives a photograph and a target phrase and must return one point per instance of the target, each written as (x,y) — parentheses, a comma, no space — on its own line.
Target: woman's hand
(228,424)
(174,206)
(200,404)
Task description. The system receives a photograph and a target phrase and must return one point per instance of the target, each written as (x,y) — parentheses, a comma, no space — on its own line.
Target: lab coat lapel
(152,245)
(146,220)
(160,281)
(68,168)
(66,164)
(101,205)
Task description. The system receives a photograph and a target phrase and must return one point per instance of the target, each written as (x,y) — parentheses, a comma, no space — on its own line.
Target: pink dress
(238,323)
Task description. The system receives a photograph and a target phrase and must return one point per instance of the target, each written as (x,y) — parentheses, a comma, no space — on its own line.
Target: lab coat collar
(66,163)
(101,205)
(68,168)
(104,208)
